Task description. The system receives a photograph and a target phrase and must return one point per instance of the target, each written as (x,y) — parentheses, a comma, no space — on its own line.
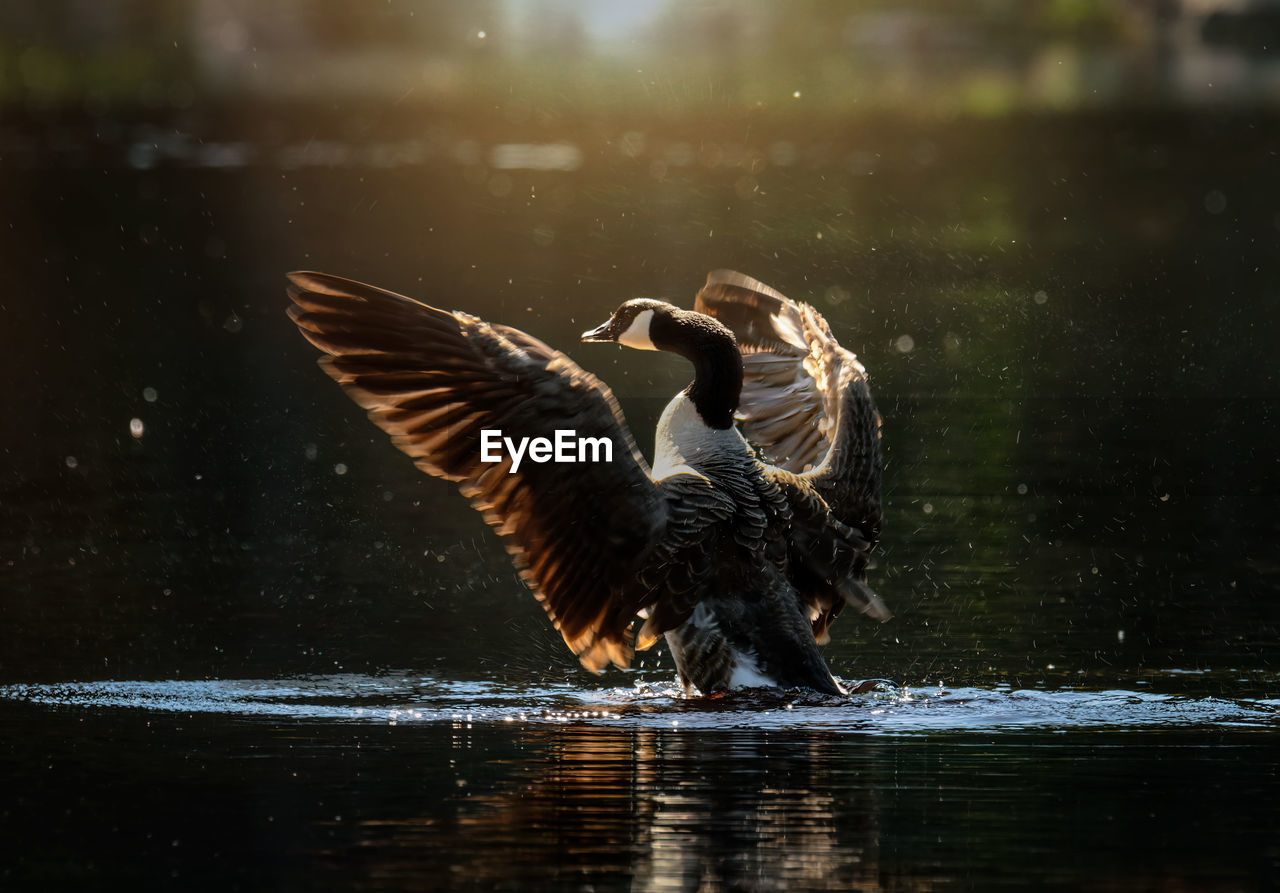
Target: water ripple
(401,699)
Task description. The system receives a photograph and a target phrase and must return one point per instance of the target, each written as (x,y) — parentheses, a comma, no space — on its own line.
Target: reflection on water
(887,710)
(411,782)
(638,807)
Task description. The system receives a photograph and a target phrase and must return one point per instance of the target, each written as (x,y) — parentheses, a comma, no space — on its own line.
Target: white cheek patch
(637,334)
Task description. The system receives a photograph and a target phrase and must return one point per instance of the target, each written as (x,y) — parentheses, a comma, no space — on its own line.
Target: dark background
(1048,229)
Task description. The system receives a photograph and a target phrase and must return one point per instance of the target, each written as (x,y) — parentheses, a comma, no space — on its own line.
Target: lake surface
(245,645)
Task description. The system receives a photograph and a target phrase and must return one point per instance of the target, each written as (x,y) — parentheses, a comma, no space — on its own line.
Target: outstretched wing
(806,405)
(435,380)
(806,402)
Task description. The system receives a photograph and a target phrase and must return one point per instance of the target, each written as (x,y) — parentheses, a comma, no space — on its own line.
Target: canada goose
(742,557)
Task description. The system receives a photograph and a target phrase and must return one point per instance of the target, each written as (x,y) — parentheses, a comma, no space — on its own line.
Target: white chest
(684,440)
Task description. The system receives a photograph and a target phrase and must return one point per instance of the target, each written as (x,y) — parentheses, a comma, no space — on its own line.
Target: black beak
(602,332)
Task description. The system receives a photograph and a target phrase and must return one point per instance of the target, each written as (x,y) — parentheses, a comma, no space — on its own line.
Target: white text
(566,446)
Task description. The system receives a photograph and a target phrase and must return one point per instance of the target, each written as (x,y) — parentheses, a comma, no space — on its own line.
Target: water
(884,709)
(244,644)
(404,781)
(398,781)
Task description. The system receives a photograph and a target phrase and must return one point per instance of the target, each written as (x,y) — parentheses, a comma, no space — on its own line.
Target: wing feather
(806,402)
(807,406)
(434,379)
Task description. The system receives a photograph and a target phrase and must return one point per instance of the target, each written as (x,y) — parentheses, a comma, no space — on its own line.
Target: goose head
(633,324)
(646,324)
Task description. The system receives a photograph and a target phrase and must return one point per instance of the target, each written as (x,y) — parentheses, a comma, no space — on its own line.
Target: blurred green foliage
(918,57)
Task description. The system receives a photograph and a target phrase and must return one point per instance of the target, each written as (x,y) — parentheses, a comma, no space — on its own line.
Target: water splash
(401,699)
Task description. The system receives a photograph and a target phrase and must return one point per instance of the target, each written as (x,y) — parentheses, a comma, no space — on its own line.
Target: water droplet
(150,395)
(340,468)
(905,344)
(136,428)
(1215,202)
(72,461)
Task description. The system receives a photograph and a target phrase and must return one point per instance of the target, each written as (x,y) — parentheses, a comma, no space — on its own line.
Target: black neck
(717,365)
